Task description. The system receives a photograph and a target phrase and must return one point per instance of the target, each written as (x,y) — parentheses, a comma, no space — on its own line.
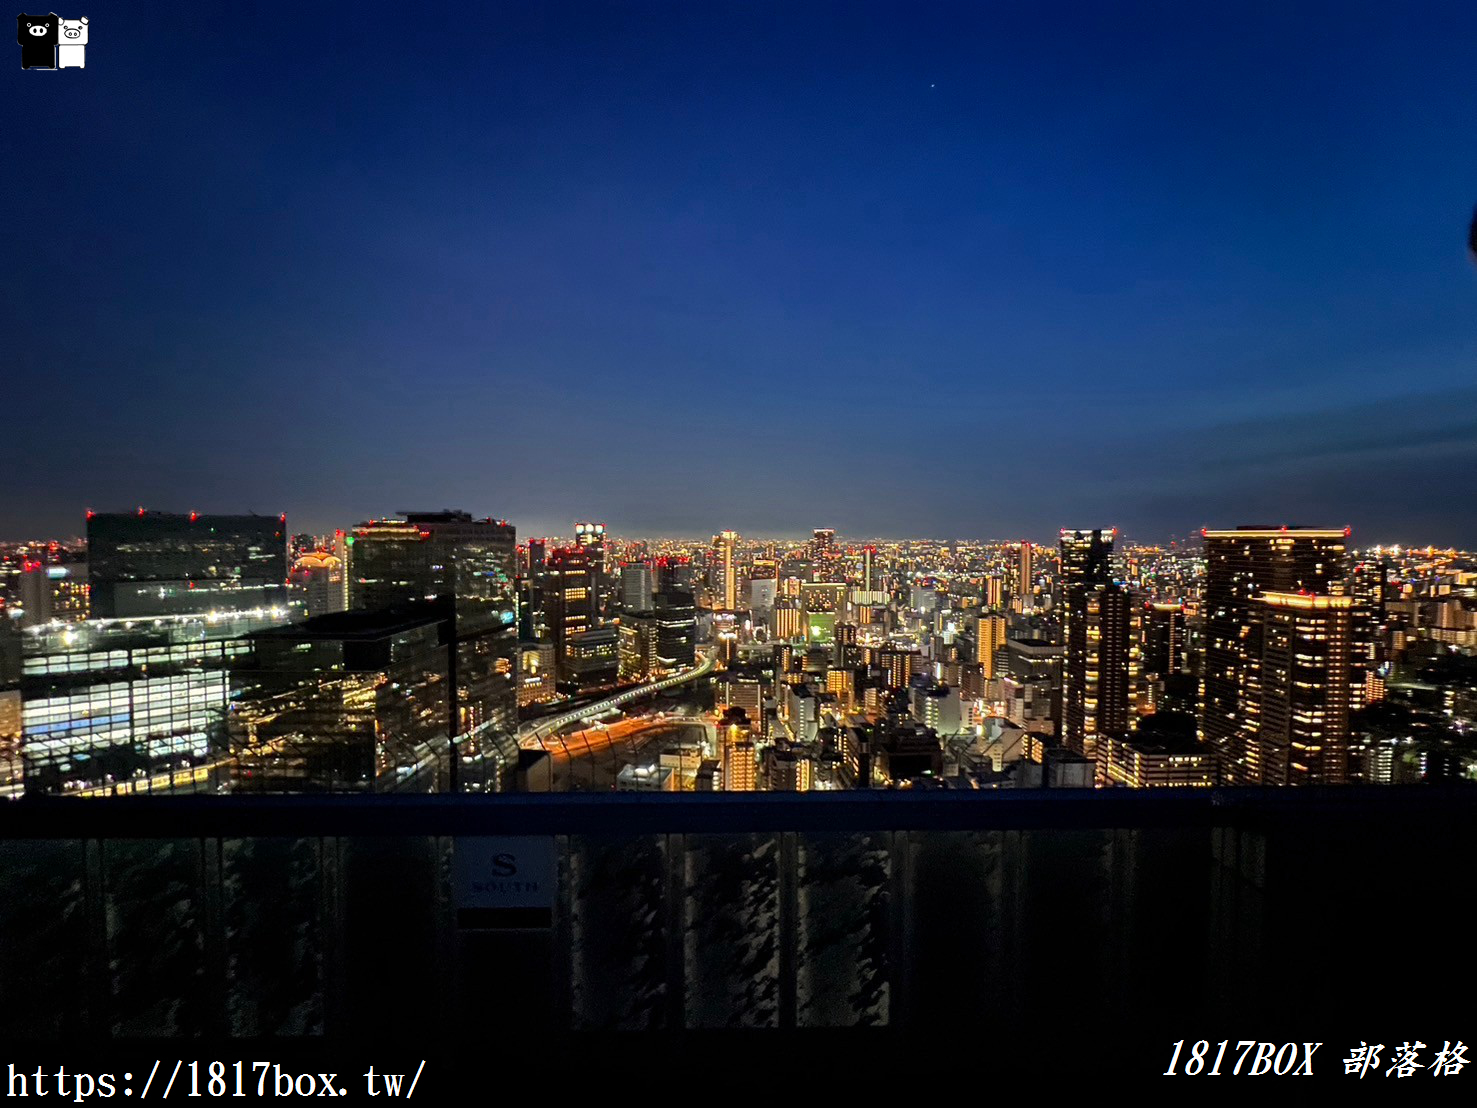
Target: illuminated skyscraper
(787,621)
(869,568)
(1240,566)
(994,592)
(989,638)
(822,544)
(676,629)
(723,543)
(318,579)
(570,601)
(1095,632)
(1025,571)
(763,587)
(1297,725)
(590,537)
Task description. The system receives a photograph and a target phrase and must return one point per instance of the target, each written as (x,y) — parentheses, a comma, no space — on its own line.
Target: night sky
(942,270)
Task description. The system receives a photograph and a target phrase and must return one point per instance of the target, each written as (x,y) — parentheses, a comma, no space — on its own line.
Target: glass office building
(471,564)
(344,702)
(161,564)
(124,706)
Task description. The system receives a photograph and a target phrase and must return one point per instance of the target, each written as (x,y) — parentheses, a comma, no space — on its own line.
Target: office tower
(469,564)
(34,593)
(592,660)
(869,568)
(1297,724)
(636,587)
(1025,573)
(675,574)
(723,544)
(639,660)
(345,702)
(1095,632)
(1164,640)
(536,551)
(676,630)
(535,673)
(340,550)
(1241,565)
(160,563)
(990,637)
(570,600)
(317,579)
(761,597)
(118,706)
(590,537)
(822,544)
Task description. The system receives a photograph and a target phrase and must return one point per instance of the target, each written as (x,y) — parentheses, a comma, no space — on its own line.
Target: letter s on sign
(504,865)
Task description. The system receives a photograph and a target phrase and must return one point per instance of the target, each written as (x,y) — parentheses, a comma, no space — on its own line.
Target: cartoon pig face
(36,30)
(74,32)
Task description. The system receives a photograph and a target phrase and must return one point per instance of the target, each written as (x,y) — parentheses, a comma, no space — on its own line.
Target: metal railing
(1058,910)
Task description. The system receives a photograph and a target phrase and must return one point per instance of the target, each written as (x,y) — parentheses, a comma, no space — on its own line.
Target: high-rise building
(1164,639)
(822,544)
(471,564)
(740,768)
(592,660)
(636,587)
(160,563)
(1095,632)
(639,660)
(124,706)
(590,537)
(1240,566)
(676,630)
(869,569)
(346,702)
(723,544)
(1297,725)
(570,600)
(787,620)
(994,592)
(1025,572)
(990,638)
(317,578)
(675,574)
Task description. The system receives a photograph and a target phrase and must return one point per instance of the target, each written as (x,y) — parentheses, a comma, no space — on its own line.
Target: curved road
(530,735)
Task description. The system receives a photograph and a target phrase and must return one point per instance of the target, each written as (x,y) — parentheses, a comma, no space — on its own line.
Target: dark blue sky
(931,269)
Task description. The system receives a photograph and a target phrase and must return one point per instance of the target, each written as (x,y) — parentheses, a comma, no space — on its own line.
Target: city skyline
(900,269)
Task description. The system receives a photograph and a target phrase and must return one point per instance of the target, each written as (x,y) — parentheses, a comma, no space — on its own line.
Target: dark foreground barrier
(1059,924)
